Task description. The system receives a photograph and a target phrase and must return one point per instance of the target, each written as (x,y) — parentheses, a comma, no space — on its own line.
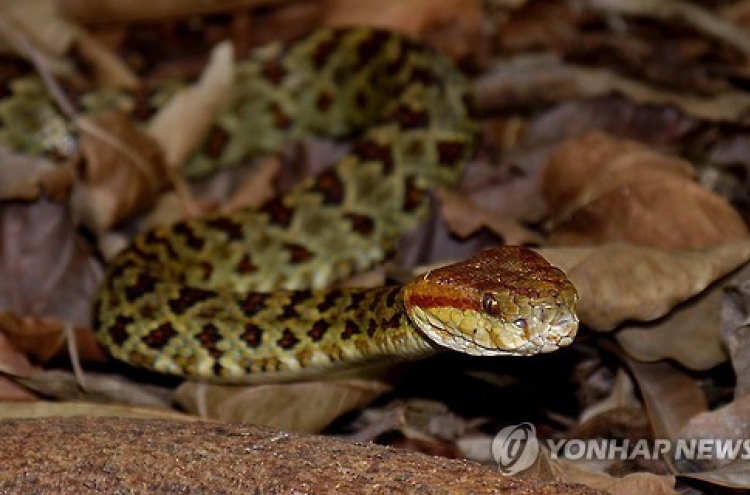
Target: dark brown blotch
(143,284)
(118,332)
(392,298)
(410,118)
(368,150)
(318,331)
(350,329)
(450,153)
(252,335)
(324,101)
(414,196)
(298,253)
(209,336)
(159,336)
(215,142)
(424,76)
(371,45)
(273,71)
(324,51)
(187,298)
(246,266)
(288,340)
(361,224)
(329,185)
(329,300)
(372,327)
(233,230)
(191,239)
(280,119)
(278,213)
(253,303)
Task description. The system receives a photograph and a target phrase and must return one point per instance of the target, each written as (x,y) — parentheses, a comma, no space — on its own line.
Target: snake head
(503,301)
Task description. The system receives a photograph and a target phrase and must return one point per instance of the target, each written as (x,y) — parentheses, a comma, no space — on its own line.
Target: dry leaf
(123,172)
(689,334)
(532,80)
(41,409)
(733,476)
(735,318)
(620,282)
(181,126)
(603,190)
(39,24)
(99,388)
(305,407)
(120,11)
(25,177)
(644,483)
(465,217)
(727,422)
(47,278)
(672,398)
(412,17)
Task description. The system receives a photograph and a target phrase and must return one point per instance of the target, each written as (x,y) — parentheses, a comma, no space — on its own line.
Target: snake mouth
(546,330)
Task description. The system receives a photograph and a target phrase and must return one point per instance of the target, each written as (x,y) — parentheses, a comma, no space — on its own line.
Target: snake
(251,296)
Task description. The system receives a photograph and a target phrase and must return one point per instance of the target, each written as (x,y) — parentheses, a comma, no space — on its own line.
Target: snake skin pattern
(242,298)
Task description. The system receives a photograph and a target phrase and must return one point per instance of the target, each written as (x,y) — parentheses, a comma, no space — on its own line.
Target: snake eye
(520,323)
(490,305)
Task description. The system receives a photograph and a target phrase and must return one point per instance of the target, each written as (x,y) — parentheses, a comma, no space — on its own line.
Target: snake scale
(243,297)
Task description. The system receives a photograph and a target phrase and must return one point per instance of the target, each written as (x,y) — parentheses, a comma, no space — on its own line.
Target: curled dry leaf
(181,126)
(122,174)
(603,190)
(620,282)
(47,278)
(305,407)
(465,217)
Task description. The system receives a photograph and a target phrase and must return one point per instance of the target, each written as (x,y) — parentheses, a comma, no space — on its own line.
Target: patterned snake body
(241,297)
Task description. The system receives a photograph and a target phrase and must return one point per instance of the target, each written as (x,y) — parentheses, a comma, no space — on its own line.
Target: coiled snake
(242,297)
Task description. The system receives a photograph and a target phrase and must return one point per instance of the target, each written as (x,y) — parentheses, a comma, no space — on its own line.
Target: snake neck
(262,337)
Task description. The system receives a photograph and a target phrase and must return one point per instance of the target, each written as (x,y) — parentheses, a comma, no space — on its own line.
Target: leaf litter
(614,137)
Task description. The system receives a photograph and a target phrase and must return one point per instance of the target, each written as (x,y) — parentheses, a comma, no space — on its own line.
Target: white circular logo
(515,448)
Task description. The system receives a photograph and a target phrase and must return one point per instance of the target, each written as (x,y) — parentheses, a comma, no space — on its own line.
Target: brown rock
(112,455)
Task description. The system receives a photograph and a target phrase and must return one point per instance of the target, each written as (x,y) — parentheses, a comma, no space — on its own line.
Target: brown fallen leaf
(532,80)
(409,17)
(122,174)
(734,332)
(25,177)
(305,407)
(619,282)
(689,334)
(672,397)
(451,26)
(726,422)
(50,409)
(601,190)
(182,124)
(465,217)
(47,277)
(645,483)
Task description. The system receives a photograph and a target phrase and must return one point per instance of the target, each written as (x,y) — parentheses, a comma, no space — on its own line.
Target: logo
(515,448)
